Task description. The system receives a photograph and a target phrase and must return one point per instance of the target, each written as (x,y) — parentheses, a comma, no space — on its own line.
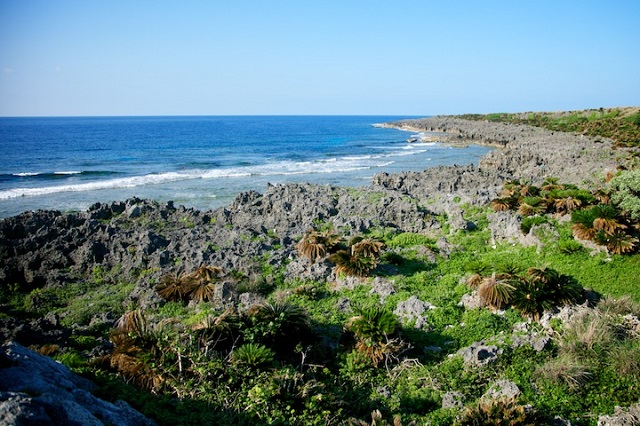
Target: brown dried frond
(474,280)
(608,225)
(171,287)
(315,245)
(46,350)
(567,205)
(583,232)
(495,293)
(134,322)
(367,247)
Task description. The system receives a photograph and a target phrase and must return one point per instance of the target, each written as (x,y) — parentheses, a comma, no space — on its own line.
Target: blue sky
(142,57)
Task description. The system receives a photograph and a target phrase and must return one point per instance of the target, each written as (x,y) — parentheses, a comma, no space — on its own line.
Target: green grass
(620,124)
(322,375)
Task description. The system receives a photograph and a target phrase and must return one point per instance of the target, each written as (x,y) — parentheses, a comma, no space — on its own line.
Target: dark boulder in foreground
(36,390)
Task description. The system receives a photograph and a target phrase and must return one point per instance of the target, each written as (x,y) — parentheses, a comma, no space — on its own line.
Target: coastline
(118,252)
(407,201)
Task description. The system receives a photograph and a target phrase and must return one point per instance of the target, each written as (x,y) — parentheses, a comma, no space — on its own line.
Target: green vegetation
(620,124)
(337,351)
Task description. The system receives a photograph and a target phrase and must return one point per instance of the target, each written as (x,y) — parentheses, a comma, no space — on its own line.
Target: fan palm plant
(351,264)
(172,287)
(201,284)
(532,205)
(373,328)
(315,245)
(366,247)
(582,227)
(495,293)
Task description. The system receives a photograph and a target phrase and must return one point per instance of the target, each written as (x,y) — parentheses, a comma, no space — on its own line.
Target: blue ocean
(203,162)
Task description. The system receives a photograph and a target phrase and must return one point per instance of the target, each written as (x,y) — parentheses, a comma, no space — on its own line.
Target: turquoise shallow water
(202,162)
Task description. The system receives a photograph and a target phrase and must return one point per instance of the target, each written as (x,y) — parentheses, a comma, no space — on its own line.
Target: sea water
(69,163)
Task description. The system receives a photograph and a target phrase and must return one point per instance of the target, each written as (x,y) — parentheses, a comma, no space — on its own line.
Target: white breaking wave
(281,168)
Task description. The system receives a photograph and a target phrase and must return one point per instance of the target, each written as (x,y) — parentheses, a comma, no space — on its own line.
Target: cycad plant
(198,285)
(502,411)
(351,264)
(532,205)
(252,355)
(315,245)
(495,293)
(541,289)
(606,219)
(366,247)
(138,353)
(359,259)
(217,331)
(504,204)
(583,224)
(172,287)
(280,325)
(201,284)
(374,328)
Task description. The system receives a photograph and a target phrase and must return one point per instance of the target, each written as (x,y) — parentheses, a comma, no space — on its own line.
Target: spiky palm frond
(252,355)
(602,195)
(543,275)
(511,188)
(551,184)
(373,327)
(315,245)
(289,314)
(617,243)
(502,411)
(201,283)
(532,205)
(206,273)
(172,287)
(134,322)
(474,280)
(531,297)
(352,265)
(606,218)
(528,190)
(583,224)
(223,322)
(566,205)
(367,247)
(504,204)
(495,293)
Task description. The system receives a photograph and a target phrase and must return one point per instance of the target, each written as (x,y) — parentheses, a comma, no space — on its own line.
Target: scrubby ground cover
(454,326)
(620,124)
(351,348)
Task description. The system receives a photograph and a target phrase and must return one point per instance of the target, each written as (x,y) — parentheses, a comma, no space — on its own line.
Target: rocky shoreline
(139,241)
(48,248)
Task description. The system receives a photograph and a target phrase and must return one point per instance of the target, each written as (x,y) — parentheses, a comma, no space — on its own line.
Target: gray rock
(629,416)
(453,400)
(383,287)
(502,389)
(471,301)
(536,341)
(479,354)
(35,389)
(413,309)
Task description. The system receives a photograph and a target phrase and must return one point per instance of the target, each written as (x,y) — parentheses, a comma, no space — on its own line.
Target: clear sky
(192,57)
